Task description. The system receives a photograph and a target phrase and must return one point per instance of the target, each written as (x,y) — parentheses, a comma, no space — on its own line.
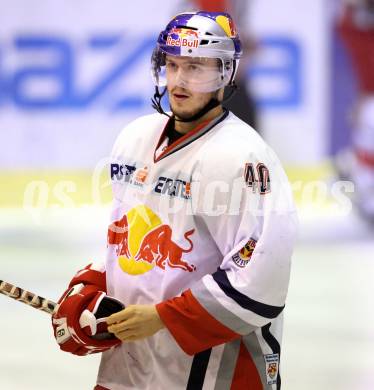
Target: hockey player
(201,237)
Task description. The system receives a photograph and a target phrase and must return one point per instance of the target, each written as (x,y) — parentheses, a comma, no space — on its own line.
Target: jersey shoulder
(143,129)
(235,154)
(234,142)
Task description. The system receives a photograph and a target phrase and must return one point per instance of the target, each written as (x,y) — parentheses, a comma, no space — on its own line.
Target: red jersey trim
(246,375)
(189,137)
(178,141)
(193,328)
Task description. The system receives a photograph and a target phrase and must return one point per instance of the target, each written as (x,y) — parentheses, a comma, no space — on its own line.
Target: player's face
(182,75)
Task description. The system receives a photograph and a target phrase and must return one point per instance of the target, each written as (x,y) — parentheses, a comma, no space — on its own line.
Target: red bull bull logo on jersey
(183,37)
(157,246)
(118,235)
(141,242)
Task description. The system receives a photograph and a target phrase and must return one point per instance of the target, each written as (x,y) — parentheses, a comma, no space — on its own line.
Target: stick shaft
(27,297)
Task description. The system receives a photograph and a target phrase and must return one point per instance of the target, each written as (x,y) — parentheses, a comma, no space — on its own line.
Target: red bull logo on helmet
(227,25)
(183,37)
(141,242)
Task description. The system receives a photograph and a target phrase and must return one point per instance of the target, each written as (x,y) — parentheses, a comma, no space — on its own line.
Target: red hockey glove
(79,323)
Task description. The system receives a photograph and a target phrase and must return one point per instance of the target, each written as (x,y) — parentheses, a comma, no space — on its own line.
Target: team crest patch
(243,257)
(272,368)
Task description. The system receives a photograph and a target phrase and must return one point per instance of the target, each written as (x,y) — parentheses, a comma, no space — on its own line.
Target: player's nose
(180,78)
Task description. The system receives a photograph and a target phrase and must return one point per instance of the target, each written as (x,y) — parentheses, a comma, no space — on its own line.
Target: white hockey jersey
(204,228)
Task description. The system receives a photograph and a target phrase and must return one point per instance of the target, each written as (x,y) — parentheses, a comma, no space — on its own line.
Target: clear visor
(198,74)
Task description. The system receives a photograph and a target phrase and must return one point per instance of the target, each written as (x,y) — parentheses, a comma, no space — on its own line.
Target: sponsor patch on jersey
(128,173)
(173,187)
(243,257)
(272,368)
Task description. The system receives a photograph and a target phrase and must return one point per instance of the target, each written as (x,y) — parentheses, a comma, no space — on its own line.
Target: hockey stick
(28,298)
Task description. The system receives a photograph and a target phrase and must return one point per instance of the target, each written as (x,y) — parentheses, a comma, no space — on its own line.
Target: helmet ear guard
(158,61)
(235,65)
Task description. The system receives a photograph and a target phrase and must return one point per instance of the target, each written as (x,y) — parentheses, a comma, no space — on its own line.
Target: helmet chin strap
(213,103)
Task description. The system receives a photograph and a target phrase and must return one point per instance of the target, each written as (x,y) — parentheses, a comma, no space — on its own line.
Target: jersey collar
(189,137)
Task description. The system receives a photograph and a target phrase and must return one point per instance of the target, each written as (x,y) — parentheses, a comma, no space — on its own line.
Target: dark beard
(184,117)
(188,117)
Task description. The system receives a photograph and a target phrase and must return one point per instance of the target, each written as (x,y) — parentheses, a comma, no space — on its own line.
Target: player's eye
(193,68)
(171,66)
